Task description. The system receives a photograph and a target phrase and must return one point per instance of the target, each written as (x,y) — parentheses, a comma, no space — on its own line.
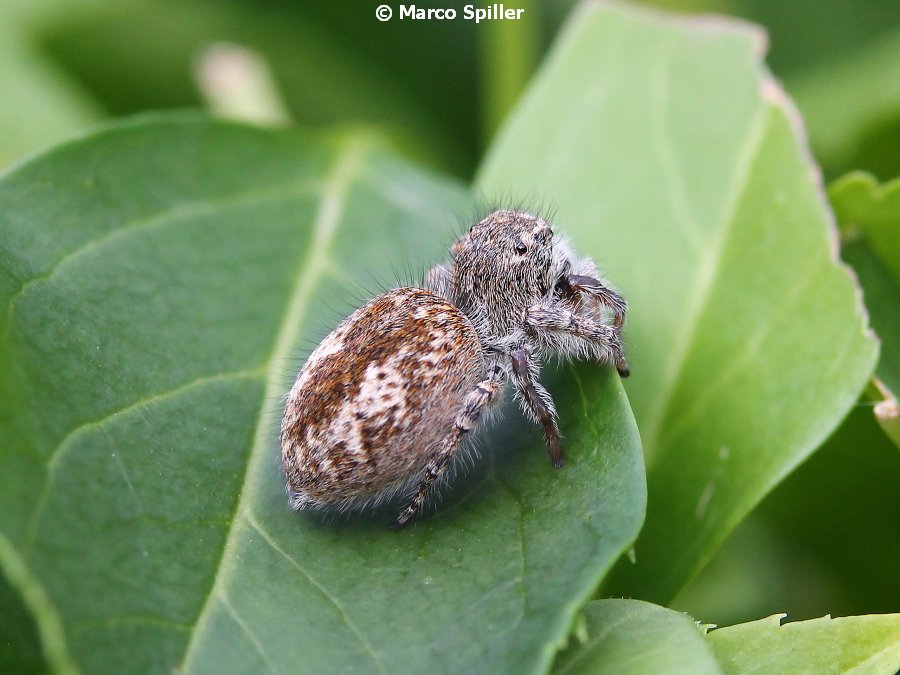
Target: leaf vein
(270,540)
(751,350)
(76,627)
(67,441)
(223,598)
(181,211)
(666,154)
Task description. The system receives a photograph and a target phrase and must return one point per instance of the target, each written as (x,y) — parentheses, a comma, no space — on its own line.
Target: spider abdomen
(376,397)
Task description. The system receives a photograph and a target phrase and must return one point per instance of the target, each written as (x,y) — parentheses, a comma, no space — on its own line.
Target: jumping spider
(385,401)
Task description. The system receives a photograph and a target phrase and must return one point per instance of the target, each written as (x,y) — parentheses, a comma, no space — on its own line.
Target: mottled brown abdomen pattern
(375,398)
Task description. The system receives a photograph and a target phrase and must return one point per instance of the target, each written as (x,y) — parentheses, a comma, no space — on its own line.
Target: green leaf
(667,151)
(853,644)
(161,279)
(631,636)
(869,217)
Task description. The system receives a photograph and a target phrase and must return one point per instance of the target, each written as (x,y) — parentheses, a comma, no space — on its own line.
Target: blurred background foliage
(828,539)
(439,88)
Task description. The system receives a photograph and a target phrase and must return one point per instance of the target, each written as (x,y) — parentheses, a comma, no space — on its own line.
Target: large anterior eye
(521,248)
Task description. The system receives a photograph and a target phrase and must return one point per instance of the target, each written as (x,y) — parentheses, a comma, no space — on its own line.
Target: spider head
(504,264)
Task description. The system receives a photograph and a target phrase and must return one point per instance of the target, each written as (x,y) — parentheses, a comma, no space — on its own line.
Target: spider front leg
(466,419)
(536,400)
(602,341)
(605,296)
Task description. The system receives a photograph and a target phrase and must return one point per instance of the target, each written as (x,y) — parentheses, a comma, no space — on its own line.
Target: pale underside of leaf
(853,644)
(631,636)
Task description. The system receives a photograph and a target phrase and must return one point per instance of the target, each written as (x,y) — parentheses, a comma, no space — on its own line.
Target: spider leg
(466,419)
(597,291)
(604,341)
(536,400)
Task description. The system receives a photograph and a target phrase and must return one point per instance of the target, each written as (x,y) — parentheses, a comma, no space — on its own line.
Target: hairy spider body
(385,402)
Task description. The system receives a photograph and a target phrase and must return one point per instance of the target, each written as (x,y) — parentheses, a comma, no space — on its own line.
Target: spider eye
(521,248)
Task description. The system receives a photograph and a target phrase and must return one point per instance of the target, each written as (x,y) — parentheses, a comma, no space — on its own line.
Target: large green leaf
(671,155)
(869,217)
(631,636)
(864,645)
(161,279)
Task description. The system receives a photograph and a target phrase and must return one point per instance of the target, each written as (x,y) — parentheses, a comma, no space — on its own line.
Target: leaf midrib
(310,269)
(704,282)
